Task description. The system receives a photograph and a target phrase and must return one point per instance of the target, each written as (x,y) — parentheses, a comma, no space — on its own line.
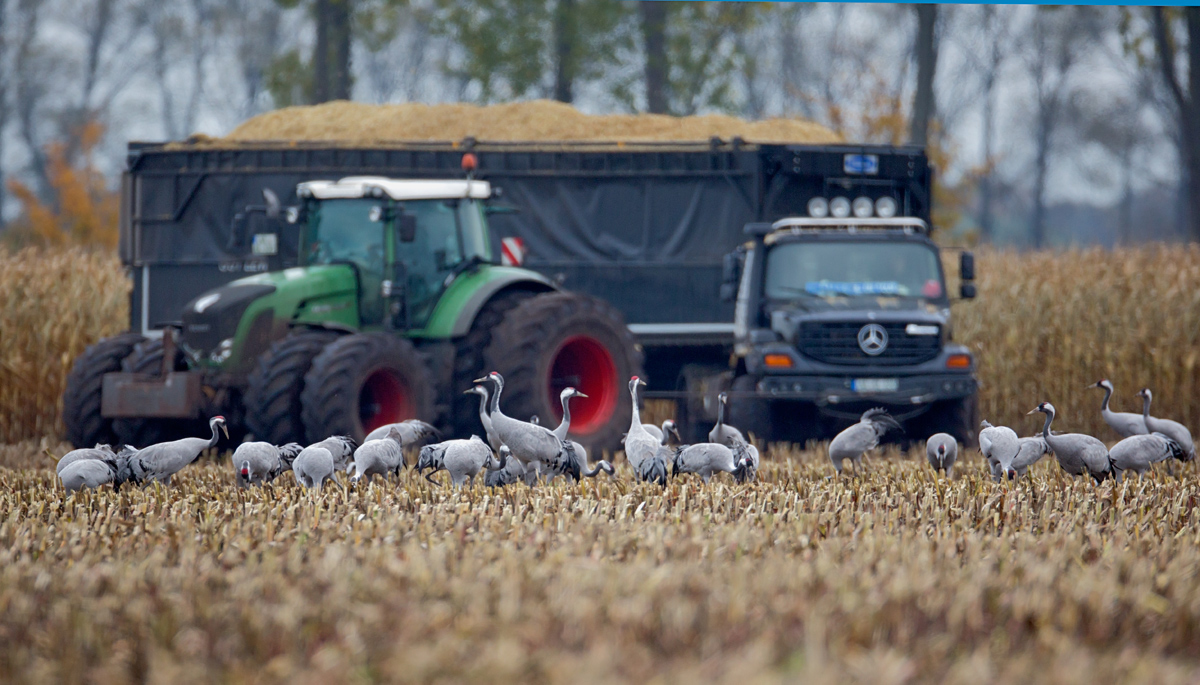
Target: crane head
(1145,394)
(219,421)
(1102,383)
(1044,407)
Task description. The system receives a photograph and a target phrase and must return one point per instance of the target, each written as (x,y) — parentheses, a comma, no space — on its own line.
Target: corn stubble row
(893,576)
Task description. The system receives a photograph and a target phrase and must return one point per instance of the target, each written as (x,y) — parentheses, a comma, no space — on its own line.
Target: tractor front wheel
(361,382)
(86,426)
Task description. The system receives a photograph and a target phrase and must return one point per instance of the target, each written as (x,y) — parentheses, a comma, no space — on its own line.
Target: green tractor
(395,306)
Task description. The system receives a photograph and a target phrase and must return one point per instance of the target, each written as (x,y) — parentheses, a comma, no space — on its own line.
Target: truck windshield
(853,268)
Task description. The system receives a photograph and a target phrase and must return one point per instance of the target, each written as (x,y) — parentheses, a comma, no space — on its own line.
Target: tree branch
(1166,56)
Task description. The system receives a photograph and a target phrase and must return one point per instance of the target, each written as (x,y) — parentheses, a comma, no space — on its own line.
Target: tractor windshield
(853,268)
(342,231)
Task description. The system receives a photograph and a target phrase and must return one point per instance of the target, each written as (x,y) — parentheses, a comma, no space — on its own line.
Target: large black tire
(558,339)
(469,360)
(147,358)
(360,382)
(959,418)
(753,416)
(273,409)
(81,400)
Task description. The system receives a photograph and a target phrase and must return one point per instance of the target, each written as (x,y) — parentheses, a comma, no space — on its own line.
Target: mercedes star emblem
(872,339)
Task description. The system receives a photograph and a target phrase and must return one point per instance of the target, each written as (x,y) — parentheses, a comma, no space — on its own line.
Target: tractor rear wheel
(86,426)
(273,408)
(555,340)
(147,358)
(361,382)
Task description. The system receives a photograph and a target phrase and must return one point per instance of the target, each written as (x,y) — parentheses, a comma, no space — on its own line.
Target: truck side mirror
(966,266)
(406,227)
(731,273)
(272,201)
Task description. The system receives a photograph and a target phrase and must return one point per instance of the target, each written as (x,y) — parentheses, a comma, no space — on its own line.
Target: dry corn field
(893,577)
(1045,326)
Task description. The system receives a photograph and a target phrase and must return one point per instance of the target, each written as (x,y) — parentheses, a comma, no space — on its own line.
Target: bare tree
(927,51)
(1186,100)
(654,39)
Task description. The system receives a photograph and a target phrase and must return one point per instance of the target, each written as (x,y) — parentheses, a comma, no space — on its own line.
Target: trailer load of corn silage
(354,123)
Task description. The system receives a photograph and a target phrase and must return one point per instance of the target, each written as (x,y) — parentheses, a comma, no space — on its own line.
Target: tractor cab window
(474,230)
(430,258)
(341,232)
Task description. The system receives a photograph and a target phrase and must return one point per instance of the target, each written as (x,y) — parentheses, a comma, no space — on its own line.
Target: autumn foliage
(81,208)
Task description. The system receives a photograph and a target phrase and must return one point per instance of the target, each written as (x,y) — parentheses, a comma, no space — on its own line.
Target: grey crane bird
(379,457)
(1029,452)
(462,459)
(722,432)
(578,451)
(1137,452)
(256,463)
(484,418)
(341,448)
(640,445)
(288,454)
(504,471)
(88,473)
(412,431)
(1124,423)
(999,445)
(706,459)
(1077,454)
(529,443)
(99,452)
(157,463)
(860,438)
(665,432)
(747,454)
(941,449)
(315,465)
(653,469)
(1172,429)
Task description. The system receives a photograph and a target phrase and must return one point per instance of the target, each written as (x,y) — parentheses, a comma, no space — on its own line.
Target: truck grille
(837,343)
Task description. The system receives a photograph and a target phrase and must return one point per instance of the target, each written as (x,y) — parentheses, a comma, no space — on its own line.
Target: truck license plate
(875,384)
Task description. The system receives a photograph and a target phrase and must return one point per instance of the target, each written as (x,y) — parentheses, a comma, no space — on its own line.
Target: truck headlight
(863,207)
(222,352)
(839,207)
(818,208)
(885,207)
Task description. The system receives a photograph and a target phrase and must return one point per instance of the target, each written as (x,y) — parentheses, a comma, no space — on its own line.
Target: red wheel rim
(585,364)
(383,399)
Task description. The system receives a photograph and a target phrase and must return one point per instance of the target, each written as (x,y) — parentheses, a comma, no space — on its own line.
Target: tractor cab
(404,240)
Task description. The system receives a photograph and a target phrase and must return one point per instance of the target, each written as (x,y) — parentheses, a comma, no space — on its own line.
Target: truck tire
(273,410)
(555,340)
(469,360)
(749,414)
(959,418)
(81,399)
(361,382)
(147,358)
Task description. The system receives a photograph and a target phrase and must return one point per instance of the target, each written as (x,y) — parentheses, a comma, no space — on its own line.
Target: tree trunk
(322,17)
(654,36)
(340,69)
(986,226)
(564,50)
(923,103)
(1041,163)
(1190,118)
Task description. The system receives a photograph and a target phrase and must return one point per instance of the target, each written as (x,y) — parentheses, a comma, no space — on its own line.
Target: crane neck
(215,436)
(483,402)
(720,413)
(1046,427)
(496,398)
(564,426)
(1107,395)
(636,421)
(1146,411)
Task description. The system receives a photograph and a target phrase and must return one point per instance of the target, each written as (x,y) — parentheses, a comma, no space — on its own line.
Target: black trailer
(643,226)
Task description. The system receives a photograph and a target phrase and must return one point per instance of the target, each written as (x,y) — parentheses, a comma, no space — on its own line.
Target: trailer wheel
(81,400)
(147,358)
(273,409)
(361,382)
(555,340)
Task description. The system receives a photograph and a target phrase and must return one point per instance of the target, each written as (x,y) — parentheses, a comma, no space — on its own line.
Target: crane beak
(1034,411)
(225,431)
(579,394)
(642,382)
(470,392)
(481,380)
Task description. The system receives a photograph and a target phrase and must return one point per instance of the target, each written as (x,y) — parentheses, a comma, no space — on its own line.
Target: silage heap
(354,123)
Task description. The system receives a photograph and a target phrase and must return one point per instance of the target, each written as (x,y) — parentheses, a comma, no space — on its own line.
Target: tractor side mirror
(272,203)
(731,273)
(966,266)
(406,227)
(967,291)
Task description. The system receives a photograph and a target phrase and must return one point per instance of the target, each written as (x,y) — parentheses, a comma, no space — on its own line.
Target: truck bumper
(177,395)
(845,396)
